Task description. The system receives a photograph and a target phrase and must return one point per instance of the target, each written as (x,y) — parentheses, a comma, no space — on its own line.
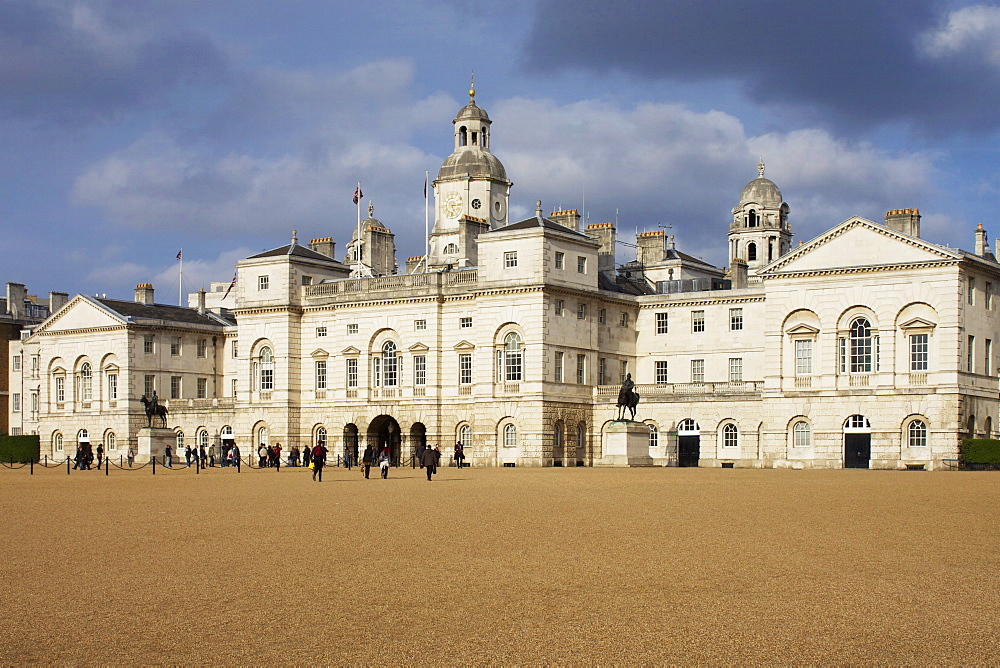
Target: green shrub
(980,451)
(19,448)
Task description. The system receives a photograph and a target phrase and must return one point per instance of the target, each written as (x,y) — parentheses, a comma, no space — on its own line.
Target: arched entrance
(857,442)
(383,432)
(418,439)
(351,441)
(558,444)
(688,443)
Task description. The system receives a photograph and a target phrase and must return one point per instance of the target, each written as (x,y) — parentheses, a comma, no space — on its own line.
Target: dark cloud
(77,64)
(855,62)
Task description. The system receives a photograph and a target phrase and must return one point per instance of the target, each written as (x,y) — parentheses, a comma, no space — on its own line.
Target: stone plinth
(626,443)
(153,442)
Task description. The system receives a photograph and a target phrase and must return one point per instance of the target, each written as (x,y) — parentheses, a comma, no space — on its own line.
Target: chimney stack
(569,218)
(906,221)
(323,246)
(201,301)
(738,273)
(57,300)
(16,294)
(652,247)
(606,234)
(981,248)
(144,293)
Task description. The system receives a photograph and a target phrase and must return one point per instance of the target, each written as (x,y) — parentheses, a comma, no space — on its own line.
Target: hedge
(980,451)
(19,448)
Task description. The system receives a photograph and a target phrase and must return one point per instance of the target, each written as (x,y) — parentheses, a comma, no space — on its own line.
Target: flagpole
(180,280)
(357,246)
(427,233)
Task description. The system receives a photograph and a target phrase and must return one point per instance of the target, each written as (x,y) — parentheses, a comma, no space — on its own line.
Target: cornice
(747,299)
(872,269)
(256,310)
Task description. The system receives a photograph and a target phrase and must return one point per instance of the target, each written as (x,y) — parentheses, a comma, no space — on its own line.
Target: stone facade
(866,346)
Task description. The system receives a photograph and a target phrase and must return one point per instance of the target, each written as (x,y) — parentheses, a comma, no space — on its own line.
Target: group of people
(200,455)
(372,456)
(269,456)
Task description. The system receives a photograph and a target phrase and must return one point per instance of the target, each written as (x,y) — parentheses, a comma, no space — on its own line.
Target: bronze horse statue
(154,410)
(627,398)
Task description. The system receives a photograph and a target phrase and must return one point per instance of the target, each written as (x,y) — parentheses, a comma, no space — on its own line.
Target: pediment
(350,350)
(319,352)
(464,345)
(81,313)
(111,368)
(418,348)
(858,243)
(803,330)
(917,323)
(58,371)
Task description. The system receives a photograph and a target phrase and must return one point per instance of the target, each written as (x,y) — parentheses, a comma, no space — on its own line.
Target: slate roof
(624,284)
(293,249)
(135,310)
(536,221)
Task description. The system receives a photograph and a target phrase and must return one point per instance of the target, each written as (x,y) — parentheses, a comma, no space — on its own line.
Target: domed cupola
(760,233)
(377,248)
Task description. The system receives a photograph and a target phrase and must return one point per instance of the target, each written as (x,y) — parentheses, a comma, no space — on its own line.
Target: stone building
(867,346)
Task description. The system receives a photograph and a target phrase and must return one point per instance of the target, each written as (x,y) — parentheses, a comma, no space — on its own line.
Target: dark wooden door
(857,451)
(688,450)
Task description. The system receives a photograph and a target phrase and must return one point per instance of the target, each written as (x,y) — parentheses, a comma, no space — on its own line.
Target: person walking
(235,453)
(130,456)
(78,458)
(262,453)
(367,459)
(428,461)
(277,456)
(419,453)
(168,454)
(383,463)
(347,458)
(319,461)
(306,456)
(211,455)
(203,452)
(187,455)
(459,455)
(100,454)
(293,456)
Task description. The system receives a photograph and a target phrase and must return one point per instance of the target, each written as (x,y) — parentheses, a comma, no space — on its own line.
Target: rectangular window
(581,369)
(971,357)
(465,322)
(15,431)
(262,282)
(175,387)
(236,350)
(321,331)
(919,352)
(419,369)
(988,356)
(16,363)
(510,259)
(112,387)
(61,390)
(148,385)
(581,265)
(602,316)
(235,385)
(661,372)
(581,311)
(147,344)
(35,361)
(352,328)
(988,296)
(560,260)
(624,320)
(662,324)
(559,307)
(559,366)
(697,321)
(843,354)
(622,370)
(735,319)
(465,369)
(803,357)
(352,372)
(602,371)
(202,347)
(419,325)
(320,374)
(307,280)
(34,402)
(175,346)
(203,388)
(972,291)
(697,371)
(735,369)
(15,402)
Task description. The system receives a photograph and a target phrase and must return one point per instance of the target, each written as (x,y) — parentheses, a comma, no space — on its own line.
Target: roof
(763,191)
(293,249)
(674,254)
(623,284)
(539,221)
(183,314)
(472,111)
(472,161)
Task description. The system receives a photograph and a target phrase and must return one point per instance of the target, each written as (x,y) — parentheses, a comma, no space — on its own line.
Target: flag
(231,286)
(425,186)
(179,254)
(358,194)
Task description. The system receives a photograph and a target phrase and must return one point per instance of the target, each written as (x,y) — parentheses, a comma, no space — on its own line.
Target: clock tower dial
(451,207)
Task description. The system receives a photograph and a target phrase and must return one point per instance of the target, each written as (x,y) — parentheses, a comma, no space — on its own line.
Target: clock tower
(470,192)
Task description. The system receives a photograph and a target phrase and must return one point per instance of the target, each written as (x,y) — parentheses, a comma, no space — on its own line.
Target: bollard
(197,466)
(31,463)
(154,464)
(67,466)
(106,465)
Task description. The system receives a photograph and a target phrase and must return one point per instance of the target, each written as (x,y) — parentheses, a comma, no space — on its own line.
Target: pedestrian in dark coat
(367,459)
(459,455)
(428,460)
(419,453)
(319,461)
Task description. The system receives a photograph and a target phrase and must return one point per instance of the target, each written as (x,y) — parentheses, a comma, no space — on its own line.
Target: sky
(132,130)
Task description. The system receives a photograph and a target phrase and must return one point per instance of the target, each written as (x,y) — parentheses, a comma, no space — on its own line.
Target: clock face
(451,207)
(476,204)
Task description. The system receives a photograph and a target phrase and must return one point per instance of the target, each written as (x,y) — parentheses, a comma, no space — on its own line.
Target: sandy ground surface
(500,566)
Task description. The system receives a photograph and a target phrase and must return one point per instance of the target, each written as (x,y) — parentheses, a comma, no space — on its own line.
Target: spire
(760,167)
(371,208)
(472,88)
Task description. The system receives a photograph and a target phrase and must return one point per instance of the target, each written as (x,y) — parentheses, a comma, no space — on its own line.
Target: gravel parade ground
(500,566)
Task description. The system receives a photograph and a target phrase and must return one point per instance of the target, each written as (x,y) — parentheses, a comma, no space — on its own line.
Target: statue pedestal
(626,443)
(153,442)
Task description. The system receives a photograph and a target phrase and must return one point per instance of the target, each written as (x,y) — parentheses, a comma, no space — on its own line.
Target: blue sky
(132,130)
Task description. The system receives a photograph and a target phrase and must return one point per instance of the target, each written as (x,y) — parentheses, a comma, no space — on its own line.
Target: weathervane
(472,88)
(760,167)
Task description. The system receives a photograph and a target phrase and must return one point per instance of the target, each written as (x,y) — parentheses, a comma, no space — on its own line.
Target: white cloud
(968,31)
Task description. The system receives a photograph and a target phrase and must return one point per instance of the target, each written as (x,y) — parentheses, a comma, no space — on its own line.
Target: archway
(688,443)
(351,441)
(558,444)
(857,442)
(418,439)
(383,432)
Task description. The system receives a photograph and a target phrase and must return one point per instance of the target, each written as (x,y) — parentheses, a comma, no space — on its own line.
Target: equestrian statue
(154,409)
(627,398)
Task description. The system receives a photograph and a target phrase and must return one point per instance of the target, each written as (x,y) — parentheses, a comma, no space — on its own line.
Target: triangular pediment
(350,350)
(81,313)
(803,330)
(418,348)
(917,323)
(858,243)
(464,345)
(319,352)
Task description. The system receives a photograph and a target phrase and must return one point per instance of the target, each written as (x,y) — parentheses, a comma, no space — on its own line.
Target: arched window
(654,436)
(463,136)
(752,220)
(916,434)
(203,438)
(486,143)
(83,436)
(465,435)
(390,365)
(266,369)
(262,434)
(861,346)
(730,436)
(86,382)
(751,251)
(321,436)
(110,442)
(180,440)
(801,434)
(688,426)
(509,436)
(581,440)
(226,433)
(512,358)
(57,442)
